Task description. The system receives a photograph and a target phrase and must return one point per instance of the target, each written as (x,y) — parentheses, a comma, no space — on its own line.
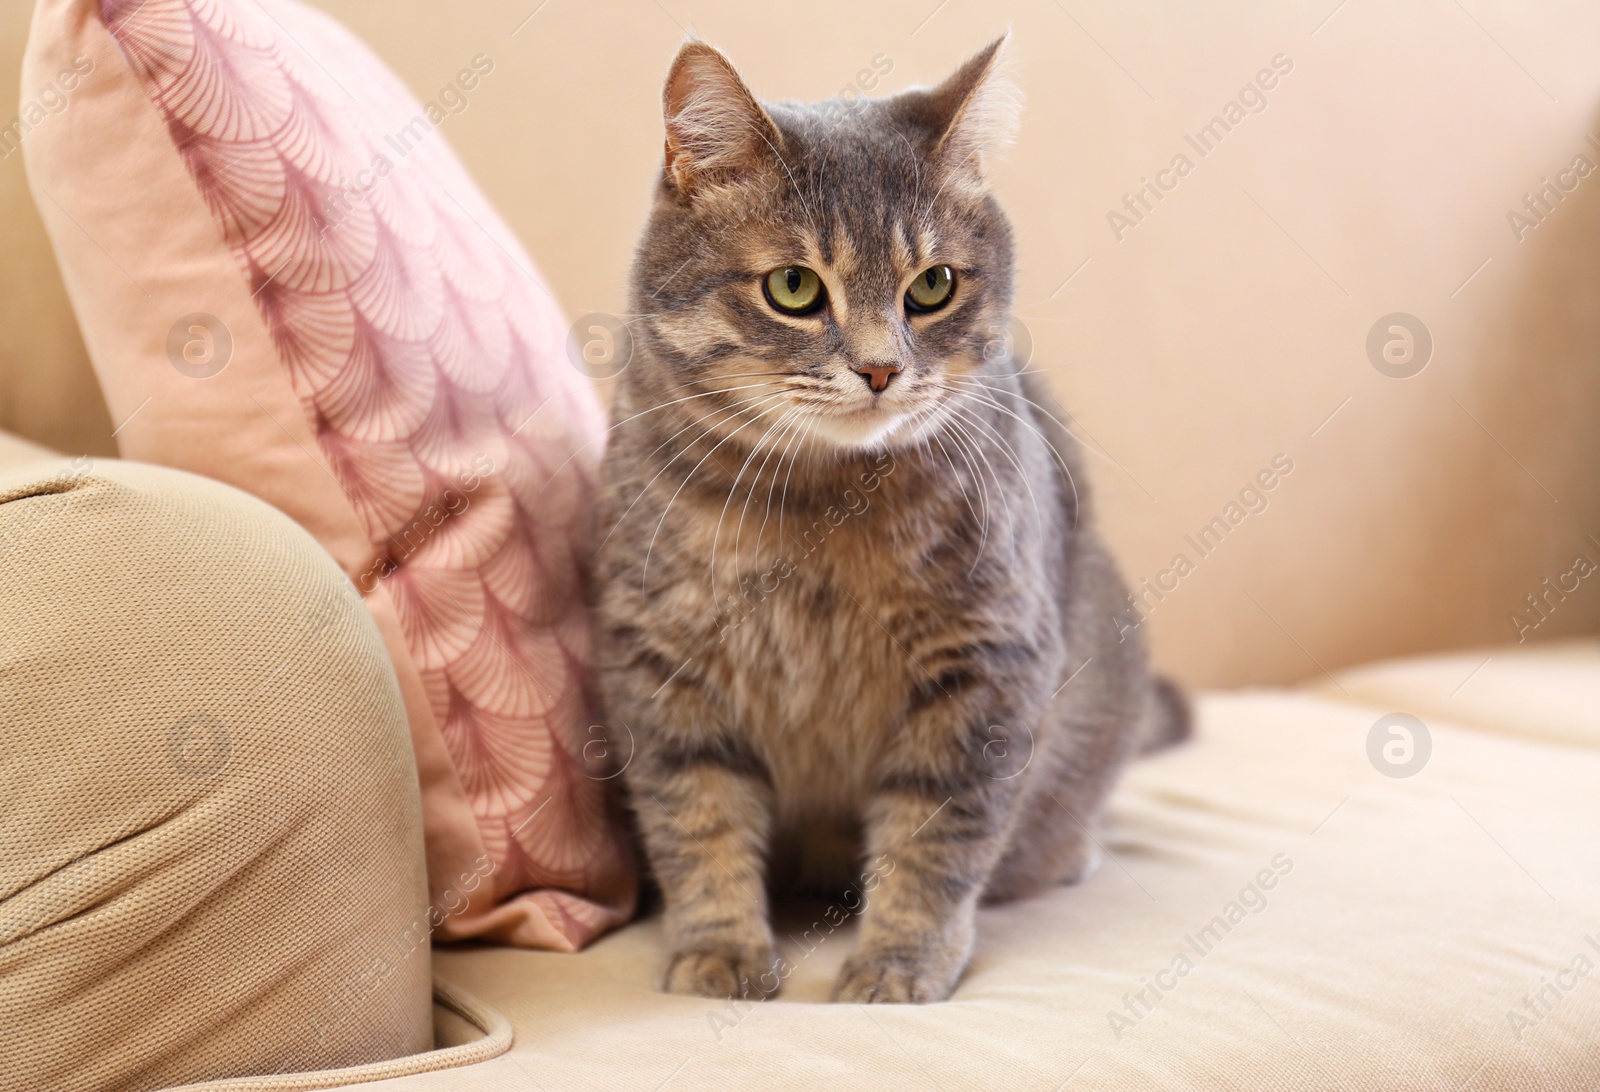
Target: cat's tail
(1168,720)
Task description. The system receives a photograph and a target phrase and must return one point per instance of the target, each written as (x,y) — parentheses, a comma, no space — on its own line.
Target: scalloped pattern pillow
(287,281)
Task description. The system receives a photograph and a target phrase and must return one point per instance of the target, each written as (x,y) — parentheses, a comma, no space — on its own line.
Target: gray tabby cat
(850,604)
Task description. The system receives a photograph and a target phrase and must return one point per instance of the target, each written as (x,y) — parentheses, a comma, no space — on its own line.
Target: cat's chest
(819,613)
(813,666)
(812,648)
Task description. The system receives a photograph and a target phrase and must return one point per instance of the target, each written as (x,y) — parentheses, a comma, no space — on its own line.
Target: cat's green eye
(794,289)
(932,289)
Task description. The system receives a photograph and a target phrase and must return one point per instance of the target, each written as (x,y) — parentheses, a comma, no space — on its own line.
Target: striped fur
(841,625)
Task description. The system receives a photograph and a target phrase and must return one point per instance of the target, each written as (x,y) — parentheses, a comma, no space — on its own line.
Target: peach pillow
(287,281)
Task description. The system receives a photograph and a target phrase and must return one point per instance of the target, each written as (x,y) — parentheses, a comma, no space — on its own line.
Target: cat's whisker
(980,439)
(973,456)
(745,375)
(926,440)
(1010,450)
(965,496)
(1051,447)
(588,443)
(974,385)
(1011,456)
(1092,447)
(688,398)
(1019,372)
(783,498)
(665,466)
(970,412)
(716,534)
(820,403)
(644,575)
(792,422)
(730,413)
(801,426)
(958,435)
(707,419)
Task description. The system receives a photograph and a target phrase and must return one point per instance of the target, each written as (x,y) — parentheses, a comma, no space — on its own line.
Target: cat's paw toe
(879,981)
(725,973)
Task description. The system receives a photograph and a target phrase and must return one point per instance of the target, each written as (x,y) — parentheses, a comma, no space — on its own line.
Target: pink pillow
(287,281)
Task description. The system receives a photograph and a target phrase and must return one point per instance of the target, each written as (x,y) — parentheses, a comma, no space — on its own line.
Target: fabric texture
(330,316)
(465,1031)
(210,832)
(1418,932)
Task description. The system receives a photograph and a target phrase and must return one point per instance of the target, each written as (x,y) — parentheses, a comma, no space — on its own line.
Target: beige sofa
(1424,931)
(1301,897)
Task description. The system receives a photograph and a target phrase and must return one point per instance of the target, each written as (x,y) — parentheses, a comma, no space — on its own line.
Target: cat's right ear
(717,133)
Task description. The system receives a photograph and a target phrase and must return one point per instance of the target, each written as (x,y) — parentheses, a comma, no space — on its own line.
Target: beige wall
(47,392)
(1219,332)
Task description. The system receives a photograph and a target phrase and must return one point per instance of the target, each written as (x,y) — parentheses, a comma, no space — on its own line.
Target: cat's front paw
(869,979)
(723,972)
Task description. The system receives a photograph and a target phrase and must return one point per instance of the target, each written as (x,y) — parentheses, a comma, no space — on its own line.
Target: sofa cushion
(210,834)
(287,281)
(1544,691)
(1431,931)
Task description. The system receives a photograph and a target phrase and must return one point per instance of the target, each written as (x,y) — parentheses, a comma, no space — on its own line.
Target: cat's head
(836,270)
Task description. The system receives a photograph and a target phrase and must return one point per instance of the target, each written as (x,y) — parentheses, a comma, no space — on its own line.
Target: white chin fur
(858,430)
(876,429)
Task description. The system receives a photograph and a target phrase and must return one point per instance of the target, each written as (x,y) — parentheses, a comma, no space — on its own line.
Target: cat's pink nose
(878,375)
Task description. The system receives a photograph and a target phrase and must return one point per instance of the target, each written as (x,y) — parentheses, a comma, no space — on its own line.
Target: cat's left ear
(975,112)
